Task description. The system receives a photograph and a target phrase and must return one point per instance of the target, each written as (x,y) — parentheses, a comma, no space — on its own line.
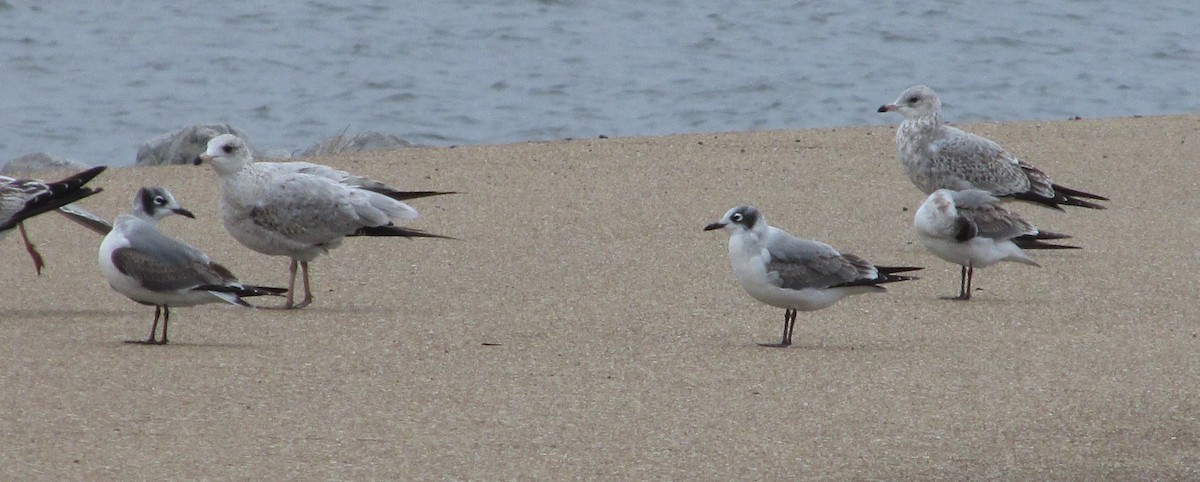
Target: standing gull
(970,228)
(938,156)
(152,269)
(21,199)
(302,210)
(795,274)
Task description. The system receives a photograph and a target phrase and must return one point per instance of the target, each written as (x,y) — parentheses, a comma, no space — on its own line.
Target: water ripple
(91,82)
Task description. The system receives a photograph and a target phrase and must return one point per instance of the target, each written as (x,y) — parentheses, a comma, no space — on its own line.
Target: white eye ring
(160,200)
(736,217)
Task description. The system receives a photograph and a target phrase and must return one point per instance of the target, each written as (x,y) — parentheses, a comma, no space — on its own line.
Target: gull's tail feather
(1038,241)
(406,195)
(887,273)
(1062,197)
(264,291)
(235,293)
(86,219)
(393,230)
(1066,191)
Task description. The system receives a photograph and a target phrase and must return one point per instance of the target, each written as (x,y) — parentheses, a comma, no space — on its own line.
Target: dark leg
(789,324)
(964,286)
(962,282)
(38,264)
(153,329)
(970,279)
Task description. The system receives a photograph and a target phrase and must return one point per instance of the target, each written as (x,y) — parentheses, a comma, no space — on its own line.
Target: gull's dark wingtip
(393,230)
(1063,197)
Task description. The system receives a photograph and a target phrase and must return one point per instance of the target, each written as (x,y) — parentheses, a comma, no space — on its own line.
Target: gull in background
(970,228)
(938,156)
(302,210)
(153,269)
(795,274)
(21,199)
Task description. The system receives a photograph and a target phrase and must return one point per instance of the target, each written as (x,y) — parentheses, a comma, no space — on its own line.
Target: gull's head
(938,211)
(917,101)
(227,153)
(943,201)
(739,219)
(154,203)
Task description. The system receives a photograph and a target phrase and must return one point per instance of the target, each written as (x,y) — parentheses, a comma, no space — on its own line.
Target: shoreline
(585,326)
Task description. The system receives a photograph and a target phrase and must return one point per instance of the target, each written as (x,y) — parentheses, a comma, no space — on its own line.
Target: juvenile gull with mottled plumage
(938,156)
(302,210)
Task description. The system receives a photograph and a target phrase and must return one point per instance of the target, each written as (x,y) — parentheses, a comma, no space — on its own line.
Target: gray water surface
(93,80)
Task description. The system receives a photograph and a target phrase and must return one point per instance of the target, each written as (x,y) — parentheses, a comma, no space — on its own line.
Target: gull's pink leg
(38,264)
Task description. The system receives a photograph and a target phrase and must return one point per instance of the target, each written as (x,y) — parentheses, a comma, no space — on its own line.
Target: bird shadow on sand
(182,345)
(818,346)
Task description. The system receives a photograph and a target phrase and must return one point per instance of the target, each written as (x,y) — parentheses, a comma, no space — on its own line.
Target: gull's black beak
(184,212)
(716,225)
(882,108)
(198,160)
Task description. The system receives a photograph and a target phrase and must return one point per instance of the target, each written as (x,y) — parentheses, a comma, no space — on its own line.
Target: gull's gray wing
(309,210)
(990,219)
(86,219)
(164,264)
(347,179)
(799,264)
(978,161)
(319,170)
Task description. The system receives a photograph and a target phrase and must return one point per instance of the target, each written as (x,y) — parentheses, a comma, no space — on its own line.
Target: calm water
(93,80)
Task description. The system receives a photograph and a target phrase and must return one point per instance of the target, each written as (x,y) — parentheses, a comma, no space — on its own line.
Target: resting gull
(795,274)
(152,269)
(302,210)
(970,228)
(938,156)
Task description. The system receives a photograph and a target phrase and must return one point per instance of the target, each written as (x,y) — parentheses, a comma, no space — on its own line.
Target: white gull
(153,269)
(795,274)
(970,228)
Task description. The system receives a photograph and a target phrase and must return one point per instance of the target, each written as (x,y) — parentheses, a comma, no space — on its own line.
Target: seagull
(970,228)
(795,274)
(153,269)
(21,199)
(302,210)
(938,156)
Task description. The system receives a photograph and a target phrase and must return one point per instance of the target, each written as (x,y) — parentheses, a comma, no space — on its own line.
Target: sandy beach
(584,327)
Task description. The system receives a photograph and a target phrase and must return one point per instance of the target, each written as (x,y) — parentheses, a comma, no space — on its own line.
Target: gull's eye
(227,148)
(736,217)
(159,200)
(914,99)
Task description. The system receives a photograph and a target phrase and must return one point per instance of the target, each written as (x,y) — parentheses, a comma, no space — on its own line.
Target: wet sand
(584,327)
